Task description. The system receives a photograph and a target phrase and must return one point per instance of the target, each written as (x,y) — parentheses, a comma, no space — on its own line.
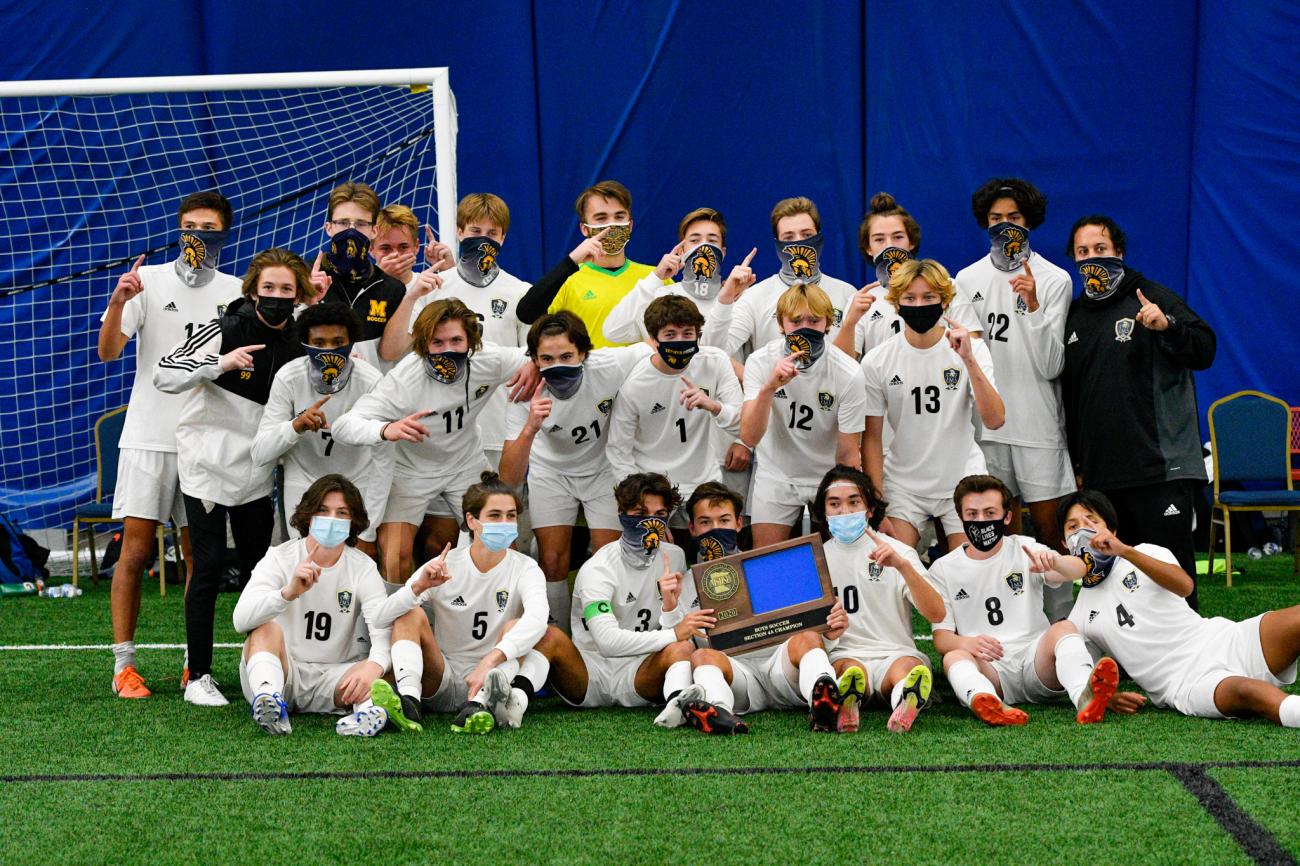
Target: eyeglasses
(351,224)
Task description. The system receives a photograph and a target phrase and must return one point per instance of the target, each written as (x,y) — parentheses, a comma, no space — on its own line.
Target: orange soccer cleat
(1101,687)
(128,683)
(988,709)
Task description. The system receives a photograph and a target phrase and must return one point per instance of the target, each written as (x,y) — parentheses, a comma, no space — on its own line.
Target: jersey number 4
(1123,617)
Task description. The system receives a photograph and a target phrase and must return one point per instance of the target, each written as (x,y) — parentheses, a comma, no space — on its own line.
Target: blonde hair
(357,193)
(483,206)
(807,296)
(398,216)
(788,207)
(934,274)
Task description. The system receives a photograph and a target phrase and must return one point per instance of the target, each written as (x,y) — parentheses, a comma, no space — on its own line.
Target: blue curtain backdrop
(1177,117)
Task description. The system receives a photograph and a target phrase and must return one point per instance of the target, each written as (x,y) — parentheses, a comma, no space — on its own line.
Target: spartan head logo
(332,365)
(1096,279)
(798,343)
(1091,576)
(1016,583)
(803,260)
(193,250)
(1013,242)
(487,258)
(710,549)
(654,533)
(895,257)
(704,264)
(443,368)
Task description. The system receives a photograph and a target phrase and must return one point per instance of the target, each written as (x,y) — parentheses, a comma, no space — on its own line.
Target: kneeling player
(714,511)
(878,581)
(488,608)
(324,580)
(998,648)
(1133,606)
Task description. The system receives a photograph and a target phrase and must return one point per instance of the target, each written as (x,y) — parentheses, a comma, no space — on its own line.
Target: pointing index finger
(1143,298)
(428,233)
(749,258)
(255,347)
(1028,270)
(322,401)
(687,382)
(315,268)
(950,322)
(138,262)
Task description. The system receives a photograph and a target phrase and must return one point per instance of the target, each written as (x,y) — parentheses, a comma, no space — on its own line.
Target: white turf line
(50,647)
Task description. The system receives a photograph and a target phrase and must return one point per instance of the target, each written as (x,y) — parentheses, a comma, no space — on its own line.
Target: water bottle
(1272,549)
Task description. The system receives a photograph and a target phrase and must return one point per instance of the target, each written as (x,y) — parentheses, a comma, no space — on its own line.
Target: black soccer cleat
(473,718)
(824,708)
(713,719)
(411,709)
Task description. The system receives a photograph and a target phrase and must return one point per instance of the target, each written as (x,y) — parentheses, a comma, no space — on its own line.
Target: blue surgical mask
(1098,564)
(847,528)
(563,379)
(1009,245)
(200,248)
(329,369)
(717,543)
(1100,275)
(800,260)
(330,531)
(498,536)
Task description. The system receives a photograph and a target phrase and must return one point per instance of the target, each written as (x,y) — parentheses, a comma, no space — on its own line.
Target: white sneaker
(672,715)
(203,692)
(363,723)
(271,714)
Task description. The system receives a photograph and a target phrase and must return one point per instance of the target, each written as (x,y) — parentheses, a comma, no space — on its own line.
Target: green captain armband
(595,609)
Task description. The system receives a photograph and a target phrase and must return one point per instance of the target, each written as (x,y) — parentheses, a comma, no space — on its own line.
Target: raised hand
(425,282)
(524,382)
(239,359)
(740,278)
(1024,285)
(312,418)
(785,370)
(128,285)
(884,554)
(590,249)
(304,577)
(959,340)
(1106,542)
(433,573)
(693,397)
(670,586)
(408,429)
(1042,560)
(838,620)
(319,279)
(860,303)
(1150,316)
(436,253)
(671,263)
(539,408)
(397,265)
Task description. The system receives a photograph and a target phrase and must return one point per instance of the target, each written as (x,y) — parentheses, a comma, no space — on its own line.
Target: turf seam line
(1256,841)
(356,775)
(52,647)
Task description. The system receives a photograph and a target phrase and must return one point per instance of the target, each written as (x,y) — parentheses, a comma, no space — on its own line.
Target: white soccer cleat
(363,723)
(673,716)
(203,692)
(271,714)
(496,689)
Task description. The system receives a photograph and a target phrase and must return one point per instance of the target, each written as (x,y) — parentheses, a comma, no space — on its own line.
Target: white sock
(967,682)
(676,678)
(535,668)
(1289,712)
(1073,666)
(716,690)
(560,600)
(408,667)
(510,667)
(363,705)
(265,673)
(123,656)
(814,665)
(896,696)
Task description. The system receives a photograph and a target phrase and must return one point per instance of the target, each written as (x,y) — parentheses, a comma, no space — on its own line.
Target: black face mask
(349,255)
(717,543)
(922,318)
(445,367)
(810,341)
(1100,275)
(274,311)
(677,354)
(478,261)
(984,535)
(563,380)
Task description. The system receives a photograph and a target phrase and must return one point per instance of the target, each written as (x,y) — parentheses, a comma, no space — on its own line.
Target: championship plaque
(764,596)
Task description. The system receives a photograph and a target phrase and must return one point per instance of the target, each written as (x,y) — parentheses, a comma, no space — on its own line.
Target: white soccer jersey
(308,456)
(1028,349)
(650,430)
(572,439)
(453,441)
(876,598)
(1149,630)
(327,624)
(165,313)
(634,623)
(807,414)
(998,596)
(926,396)
(495,305)
(470,609)
(753,321)
(626,322)
(881,321)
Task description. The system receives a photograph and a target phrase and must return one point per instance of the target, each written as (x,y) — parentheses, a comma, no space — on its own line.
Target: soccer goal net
(91,173)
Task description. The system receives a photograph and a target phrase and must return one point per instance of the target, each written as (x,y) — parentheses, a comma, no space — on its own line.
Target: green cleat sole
(382,695)
(478,723)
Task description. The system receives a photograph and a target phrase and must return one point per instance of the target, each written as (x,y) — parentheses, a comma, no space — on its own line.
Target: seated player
(306,395)
(879,581)
(225,368)
(635,615)
(674,401)
(715,514)
(1132,607)
(319,579)
(998,649)
(558,441)
(803,412)
(926,382)
(447,379)
(486,608)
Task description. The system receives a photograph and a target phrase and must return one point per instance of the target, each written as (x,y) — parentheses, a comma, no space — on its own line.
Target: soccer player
(1022,299)
(486,608)
(345,273)
(308,394)
(448,380)
(591,280)
(1132,607)
(396,246)
(926,381)
(879,581)
(558,441)
(998,649)
(1130,399)
(227,367)
(804,412)
(673,401)
(163,304)
(716,517)
(797,231)
(318,579)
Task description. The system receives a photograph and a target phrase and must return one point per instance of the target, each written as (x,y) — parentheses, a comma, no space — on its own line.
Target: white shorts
(308,686)
(877,665)
(778,500)
(452,692)
(765,682)
(612,682)
(409,499)
(917,510)
(1019,680)
(148,487)
(1033,474)
(1231,649)
(553,500)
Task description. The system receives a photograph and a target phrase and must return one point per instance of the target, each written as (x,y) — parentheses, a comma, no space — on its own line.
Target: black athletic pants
(1160,514)
(251,525)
